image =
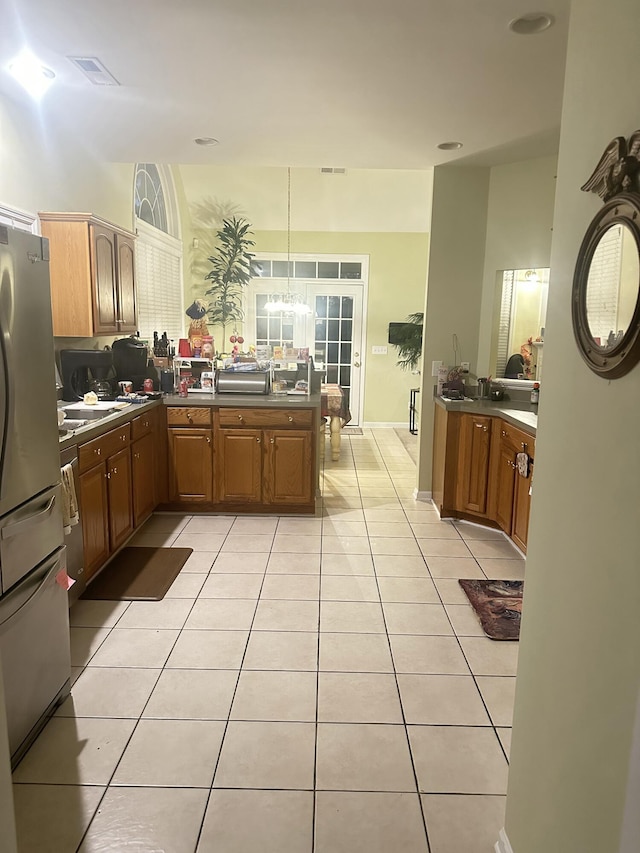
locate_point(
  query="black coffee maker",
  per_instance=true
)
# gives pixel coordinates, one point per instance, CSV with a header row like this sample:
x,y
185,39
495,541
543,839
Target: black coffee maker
x,y
130,361
86,370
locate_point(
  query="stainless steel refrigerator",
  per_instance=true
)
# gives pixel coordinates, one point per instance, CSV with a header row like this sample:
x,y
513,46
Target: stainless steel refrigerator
x,y
34,616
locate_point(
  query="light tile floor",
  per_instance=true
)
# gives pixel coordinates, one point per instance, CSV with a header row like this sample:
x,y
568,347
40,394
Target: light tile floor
x,y
308,685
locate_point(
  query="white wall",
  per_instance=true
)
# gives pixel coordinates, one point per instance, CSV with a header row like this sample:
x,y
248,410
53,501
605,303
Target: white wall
x,y
43,170
519,229
579,668
454,285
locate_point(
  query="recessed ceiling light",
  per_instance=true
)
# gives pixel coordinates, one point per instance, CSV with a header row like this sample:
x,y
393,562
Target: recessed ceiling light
x,y
531,24
450,146
31,74
206,140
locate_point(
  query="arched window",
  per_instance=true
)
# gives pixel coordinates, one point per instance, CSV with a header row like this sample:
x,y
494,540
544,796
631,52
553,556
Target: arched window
x,y
149,200
158,253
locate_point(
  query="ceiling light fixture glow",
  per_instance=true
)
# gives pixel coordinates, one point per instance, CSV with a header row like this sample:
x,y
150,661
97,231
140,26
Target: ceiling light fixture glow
x,y
531,24
450,146
32,75
206,140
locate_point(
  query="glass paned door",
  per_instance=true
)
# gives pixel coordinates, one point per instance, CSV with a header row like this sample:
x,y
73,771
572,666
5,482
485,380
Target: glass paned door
x,y
337,337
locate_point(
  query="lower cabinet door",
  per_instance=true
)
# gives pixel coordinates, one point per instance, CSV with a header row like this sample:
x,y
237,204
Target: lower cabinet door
x,y
190,465
94,515
239,466
120,499
521,508
473,473
505,484
142,470
288,467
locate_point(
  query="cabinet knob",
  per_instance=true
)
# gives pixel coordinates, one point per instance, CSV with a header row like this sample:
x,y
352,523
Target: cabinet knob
x,y
504,433
524,445
485,428
240,418
115,471
258,439
290,419
136,456
98,451
273,441
208,439
190,419
123,438
108,475
146,423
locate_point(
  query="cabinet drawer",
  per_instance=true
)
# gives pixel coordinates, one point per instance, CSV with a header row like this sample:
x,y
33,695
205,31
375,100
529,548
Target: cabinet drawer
x,y
141,425
295,418
516,438
93,452
188,416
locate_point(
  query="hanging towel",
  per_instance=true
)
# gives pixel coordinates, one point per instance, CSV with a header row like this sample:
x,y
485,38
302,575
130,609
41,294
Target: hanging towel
x,y
70,515
522,464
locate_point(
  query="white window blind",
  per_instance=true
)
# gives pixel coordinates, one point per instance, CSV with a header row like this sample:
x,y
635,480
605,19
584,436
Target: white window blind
x,y
504,327
159,284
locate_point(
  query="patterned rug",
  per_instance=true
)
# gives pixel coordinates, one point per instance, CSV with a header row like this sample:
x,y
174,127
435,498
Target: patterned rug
x,y
498,605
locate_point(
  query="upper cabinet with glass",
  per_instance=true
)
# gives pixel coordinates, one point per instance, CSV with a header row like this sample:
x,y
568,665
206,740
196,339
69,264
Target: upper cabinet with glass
x,y
606,283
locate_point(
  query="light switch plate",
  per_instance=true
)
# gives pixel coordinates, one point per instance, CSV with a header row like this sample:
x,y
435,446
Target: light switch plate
x,y
435,367
378,350
465,366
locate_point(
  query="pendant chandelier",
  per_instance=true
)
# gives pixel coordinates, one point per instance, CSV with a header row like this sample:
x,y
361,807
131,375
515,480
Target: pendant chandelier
x,y
287,303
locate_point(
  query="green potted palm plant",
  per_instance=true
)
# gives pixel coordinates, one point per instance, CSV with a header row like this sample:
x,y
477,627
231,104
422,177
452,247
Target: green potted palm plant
x,y
230,273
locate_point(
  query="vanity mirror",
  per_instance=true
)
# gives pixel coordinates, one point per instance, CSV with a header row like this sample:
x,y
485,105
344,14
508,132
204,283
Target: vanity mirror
x,y
606,284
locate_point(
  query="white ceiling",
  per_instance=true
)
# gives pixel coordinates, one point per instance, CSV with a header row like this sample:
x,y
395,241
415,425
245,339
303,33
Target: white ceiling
x,y
344,83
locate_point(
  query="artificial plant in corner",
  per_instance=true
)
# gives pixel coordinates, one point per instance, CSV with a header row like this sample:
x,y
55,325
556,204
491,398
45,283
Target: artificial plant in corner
x,y
410,342
230,273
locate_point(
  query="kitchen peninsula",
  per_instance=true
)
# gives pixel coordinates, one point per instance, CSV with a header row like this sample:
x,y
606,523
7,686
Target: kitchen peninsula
x,y
483,459
234,453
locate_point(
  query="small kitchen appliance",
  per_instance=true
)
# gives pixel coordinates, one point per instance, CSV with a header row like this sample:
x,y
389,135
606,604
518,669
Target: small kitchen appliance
x,y
130,361
86,370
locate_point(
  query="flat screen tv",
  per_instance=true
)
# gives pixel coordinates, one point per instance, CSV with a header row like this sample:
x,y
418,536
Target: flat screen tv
x,y
397,333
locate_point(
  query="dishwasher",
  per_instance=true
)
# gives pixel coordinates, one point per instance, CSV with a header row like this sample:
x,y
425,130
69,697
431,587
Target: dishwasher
x,y
73,540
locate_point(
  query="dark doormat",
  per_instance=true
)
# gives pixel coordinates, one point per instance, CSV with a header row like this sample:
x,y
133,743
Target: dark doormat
x,y
498,605
138,574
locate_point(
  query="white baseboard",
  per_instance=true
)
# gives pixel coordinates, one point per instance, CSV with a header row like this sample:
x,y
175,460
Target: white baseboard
x,y
383,425
422,496
502,844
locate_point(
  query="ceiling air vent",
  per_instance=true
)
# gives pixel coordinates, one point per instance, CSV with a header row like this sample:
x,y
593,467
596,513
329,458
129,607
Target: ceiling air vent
x,y
327,170
92,68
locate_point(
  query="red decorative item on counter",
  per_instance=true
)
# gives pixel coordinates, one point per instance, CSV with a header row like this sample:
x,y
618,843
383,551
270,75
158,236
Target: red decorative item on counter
x,y
148,385
183,388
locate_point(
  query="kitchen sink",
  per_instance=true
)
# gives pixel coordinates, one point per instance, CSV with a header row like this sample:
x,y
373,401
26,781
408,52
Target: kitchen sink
x,y
87,413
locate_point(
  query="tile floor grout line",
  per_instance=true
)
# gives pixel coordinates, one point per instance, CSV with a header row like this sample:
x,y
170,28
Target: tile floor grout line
x,y
404,722
235,690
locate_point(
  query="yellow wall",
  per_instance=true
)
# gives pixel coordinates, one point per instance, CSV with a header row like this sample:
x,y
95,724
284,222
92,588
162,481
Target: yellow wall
x,y
382,214
579,666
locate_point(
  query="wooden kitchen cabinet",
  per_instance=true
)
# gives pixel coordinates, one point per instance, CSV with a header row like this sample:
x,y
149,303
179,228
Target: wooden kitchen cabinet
x,y
475,475
94,514
92,273
190,454
143,478
473,464
239,468
106,500
265,457
120,498
190,465
287,466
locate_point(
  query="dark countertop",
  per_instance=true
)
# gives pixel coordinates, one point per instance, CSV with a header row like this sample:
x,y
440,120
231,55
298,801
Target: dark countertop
x,y
254,401
246,401
520,414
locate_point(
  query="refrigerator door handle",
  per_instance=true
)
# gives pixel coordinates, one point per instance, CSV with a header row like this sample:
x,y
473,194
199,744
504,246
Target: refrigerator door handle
x,y
25,523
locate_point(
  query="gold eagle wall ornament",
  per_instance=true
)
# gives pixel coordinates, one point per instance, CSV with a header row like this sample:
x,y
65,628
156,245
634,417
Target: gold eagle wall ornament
x,y
618,170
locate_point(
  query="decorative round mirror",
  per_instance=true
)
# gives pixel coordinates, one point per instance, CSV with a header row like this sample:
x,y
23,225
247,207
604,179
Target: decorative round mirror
x,y
606,289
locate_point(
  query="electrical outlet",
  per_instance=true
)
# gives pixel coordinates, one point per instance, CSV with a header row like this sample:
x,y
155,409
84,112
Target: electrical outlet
x,y
464,365
435,367
378,350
